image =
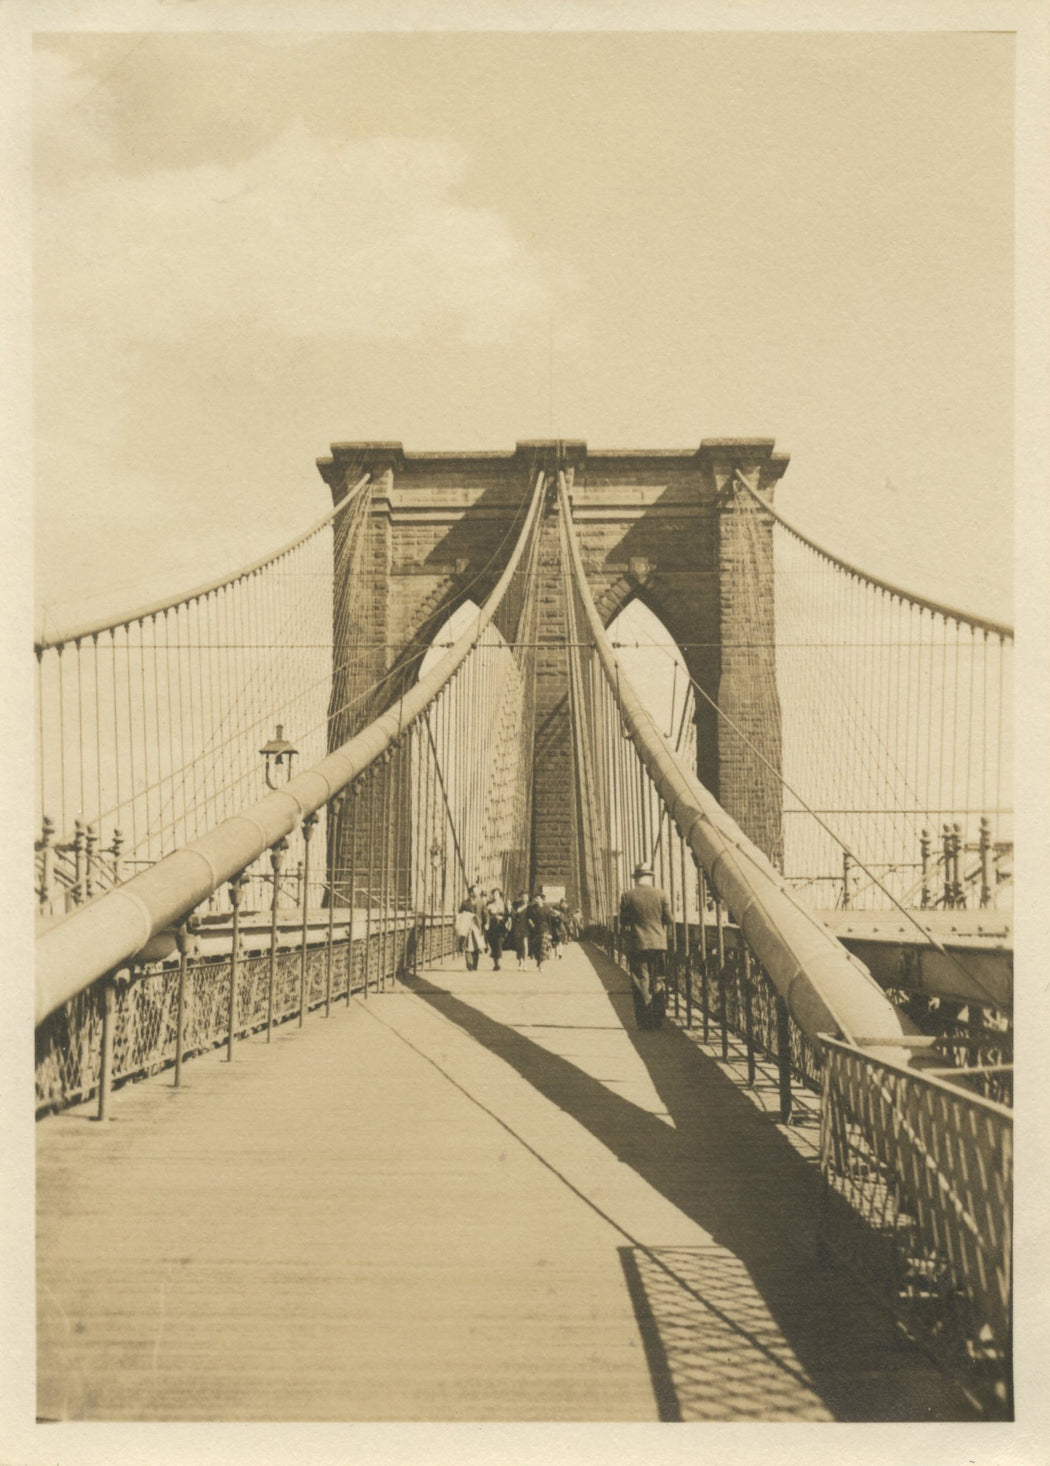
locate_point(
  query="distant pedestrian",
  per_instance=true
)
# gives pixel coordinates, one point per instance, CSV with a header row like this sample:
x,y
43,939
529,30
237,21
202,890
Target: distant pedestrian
x,y
644,918
557,926
469,930
539,930
519,927
572,928
497,924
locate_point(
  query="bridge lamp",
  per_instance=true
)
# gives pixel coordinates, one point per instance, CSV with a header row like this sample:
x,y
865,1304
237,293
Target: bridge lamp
x,y
275,752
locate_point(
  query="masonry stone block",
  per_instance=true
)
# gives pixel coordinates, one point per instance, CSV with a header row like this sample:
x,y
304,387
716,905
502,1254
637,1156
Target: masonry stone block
x,y
661,526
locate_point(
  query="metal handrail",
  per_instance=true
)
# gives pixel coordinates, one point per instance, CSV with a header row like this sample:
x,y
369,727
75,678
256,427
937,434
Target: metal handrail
x,y
157,608
900,1146
106,933
825,988
950,613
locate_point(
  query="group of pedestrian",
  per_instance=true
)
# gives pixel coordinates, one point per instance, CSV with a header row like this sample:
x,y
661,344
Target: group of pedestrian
x,y
482,923
535,928
538,930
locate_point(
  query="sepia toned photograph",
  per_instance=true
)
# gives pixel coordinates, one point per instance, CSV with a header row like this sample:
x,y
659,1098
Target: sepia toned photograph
x,y
523,724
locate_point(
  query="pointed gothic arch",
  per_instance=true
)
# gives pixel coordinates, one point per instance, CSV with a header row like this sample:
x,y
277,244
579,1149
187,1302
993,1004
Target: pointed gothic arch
x,y
657,668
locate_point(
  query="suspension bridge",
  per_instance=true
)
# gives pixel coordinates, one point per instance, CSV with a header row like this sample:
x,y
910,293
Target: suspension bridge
x,y
486,1194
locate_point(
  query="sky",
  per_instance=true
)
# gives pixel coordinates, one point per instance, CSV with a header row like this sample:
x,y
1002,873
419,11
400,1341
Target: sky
x,y
249,246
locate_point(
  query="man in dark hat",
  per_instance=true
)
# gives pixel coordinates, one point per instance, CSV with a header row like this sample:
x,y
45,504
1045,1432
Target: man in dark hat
x,y
644,918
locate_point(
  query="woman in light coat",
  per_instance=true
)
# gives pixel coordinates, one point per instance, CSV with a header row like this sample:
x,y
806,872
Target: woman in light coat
x,y
497,924
469,937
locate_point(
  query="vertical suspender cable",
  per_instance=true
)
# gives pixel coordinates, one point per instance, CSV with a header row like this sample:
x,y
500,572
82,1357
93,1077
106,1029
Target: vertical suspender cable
x,y
41,748
354,792
144,717
370,878
98,737
84,812
157,730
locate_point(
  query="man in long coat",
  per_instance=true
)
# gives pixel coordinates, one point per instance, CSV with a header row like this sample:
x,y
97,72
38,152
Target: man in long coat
x,y
644,918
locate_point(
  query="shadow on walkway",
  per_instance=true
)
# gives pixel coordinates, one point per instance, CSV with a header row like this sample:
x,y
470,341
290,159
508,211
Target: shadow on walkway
x,y
726,1327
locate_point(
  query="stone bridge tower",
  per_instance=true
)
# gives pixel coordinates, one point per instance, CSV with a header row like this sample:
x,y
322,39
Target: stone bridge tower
x,y
660,526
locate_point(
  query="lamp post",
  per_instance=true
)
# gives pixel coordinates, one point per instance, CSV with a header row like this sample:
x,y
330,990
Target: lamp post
x,y
275,752
437,856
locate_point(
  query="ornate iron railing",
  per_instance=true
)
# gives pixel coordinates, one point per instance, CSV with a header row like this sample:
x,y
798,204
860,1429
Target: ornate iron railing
x,y
918,1184
163,1015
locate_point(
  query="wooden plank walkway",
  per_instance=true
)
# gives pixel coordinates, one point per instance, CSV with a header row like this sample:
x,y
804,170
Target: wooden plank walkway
x,y
485,1198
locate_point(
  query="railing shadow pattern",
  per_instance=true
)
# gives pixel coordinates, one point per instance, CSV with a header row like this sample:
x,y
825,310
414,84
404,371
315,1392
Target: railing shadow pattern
x,y
716,1352
767,1304
920,1213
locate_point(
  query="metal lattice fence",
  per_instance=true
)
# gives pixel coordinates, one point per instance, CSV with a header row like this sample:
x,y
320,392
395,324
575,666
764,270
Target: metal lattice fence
x,y
144,1013
918,1178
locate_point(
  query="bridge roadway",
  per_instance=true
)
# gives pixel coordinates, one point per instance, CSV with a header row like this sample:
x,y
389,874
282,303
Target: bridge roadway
x,y
481,1197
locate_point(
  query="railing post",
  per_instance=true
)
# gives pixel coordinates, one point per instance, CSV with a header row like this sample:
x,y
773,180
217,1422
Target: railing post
x,y
701,894
309,825
236,890
367,970
79,839
749,1023
334,818
846,866
182,941
115,850
277,854
705,1000
419,855
686,945
402,872
105,1077
673,945
958,898
946,846
721,940
924,857
47,857
384,872
90,841
420,877
354,791
975,1025
984,847
784,1058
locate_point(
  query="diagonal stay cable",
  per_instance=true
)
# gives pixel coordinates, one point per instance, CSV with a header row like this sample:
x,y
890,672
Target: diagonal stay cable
x,y
928,935
824,985
97,938
444,793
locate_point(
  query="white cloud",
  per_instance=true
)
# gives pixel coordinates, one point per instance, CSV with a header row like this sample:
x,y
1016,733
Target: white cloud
x,y
155,290
309,237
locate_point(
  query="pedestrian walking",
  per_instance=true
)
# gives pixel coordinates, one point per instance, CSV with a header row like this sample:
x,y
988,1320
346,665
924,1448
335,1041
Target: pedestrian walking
x,y
469,930
519,927
539,930
645,916
559,935
497,924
